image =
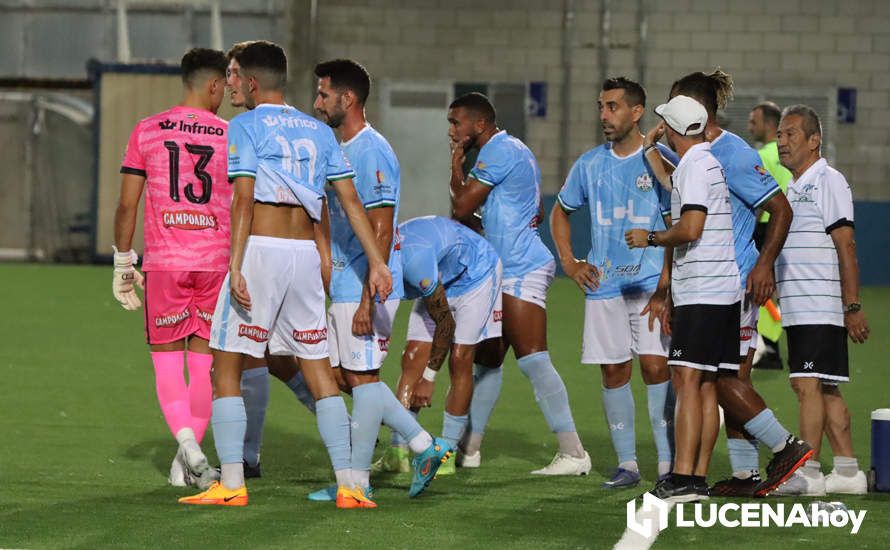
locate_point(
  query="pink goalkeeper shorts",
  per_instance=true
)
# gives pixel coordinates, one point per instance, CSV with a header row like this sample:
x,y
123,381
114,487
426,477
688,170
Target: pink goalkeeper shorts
x,y
179,304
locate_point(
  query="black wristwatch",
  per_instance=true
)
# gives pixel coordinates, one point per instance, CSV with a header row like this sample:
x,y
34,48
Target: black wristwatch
x,y
852,307
650,239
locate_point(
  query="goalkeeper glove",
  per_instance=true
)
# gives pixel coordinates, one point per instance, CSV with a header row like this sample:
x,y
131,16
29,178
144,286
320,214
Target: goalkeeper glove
x,y
125,278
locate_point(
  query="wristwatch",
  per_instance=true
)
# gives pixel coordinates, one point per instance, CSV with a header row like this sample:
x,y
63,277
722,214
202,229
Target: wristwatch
x,y
852,307
650,239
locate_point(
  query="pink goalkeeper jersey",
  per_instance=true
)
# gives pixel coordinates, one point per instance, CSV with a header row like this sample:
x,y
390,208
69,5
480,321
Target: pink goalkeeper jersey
x,y
182,155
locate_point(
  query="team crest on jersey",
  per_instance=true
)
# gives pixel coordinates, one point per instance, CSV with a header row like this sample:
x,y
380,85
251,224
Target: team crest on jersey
x,y
425,284
311,336
167,124
480,165
232,149
380,177
253,332
644,182
760,170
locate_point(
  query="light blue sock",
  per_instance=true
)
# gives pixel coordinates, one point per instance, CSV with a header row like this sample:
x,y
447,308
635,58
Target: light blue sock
x,y
333,425
367,413
229,422
400,420
255,391
619,406
397,439
766,428
453,428
297,384
486,390
661,416
550,392
743,455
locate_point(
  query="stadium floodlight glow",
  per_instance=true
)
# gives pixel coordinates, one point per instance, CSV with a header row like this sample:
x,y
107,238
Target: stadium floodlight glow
x,y
653,515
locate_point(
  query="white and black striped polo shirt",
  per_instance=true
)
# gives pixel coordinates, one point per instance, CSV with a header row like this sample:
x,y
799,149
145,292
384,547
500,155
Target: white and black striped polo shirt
x,y
807,268
705,270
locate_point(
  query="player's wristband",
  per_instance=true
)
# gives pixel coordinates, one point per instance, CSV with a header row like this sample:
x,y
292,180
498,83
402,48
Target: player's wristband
x,y
429,374
649,148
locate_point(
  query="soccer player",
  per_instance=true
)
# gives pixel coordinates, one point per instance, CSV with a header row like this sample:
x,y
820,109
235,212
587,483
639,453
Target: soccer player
x,y
255,377
763,120
279,159
506,182
748,419
359,327
454,276
819,288
178,158
704,288
621,193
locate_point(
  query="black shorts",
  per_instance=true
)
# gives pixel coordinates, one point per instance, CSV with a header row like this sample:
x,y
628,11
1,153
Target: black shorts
x,y
818,351
705,336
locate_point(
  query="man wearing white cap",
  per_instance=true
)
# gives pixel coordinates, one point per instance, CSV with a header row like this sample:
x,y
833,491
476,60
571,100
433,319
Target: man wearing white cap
x,y
705,288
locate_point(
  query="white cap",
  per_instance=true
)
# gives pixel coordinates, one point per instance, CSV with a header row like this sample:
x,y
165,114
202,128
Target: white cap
x,y
684,115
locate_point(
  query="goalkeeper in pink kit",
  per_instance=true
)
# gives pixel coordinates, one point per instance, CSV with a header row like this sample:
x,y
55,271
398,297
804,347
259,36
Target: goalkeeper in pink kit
x,y
178,157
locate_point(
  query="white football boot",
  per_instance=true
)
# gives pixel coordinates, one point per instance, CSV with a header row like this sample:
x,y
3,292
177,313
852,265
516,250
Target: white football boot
x,y
801,485
846,485
566,465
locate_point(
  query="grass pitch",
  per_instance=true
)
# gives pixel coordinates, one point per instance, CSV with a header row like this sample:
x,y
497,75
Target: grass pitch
x,y
85,449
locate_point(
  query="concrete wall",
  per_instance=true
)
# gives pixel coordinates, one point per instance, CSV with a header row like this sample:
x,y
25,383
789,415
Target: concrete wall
x,y
806,45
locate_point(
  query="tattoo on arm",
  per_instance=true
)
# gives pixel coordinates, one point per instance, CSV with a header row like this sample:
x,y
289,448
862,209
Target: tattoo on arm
x,y
440,312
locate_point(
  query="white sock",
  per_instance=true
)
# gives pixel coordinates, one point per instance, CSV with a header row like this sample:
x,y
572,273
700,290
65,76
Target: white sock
x,y
846,466
344,478
232,475
420,442
570,444
664,468
191,450
362,478
812,469
630,465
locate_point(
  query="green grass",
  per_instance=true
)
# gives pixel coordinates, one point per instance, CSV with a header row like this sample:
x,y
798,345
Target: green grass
x,y
85,449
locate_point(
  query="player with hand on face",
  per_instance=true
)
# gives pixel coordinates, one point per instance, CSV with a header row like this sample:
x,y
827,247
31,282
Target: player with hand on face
x,y
279,160
178,158
506,181
621,192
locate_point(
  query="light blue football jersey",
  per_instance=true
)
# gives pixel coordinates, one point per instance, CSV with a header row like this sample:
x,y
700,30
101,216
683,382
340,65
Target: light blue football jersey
x,y
377,181
289,153
437,250
750,186
621,193
509,215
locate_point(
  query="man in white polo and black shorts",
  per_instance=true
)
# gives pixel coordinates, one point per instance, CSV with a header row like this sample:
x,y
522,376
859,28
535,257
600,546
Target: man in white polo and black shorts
x,y
705,290
818,280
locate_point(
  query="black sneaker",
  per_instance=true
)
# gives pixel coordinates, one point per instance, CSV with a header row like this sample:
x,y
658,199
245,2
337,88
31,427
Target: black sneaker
x,y
736,487
674,489
252,471
784,463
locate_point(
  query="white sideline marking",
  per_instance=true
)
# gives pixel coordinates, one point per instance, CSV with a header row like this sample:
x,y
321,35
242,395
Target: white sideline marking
x,y
632,540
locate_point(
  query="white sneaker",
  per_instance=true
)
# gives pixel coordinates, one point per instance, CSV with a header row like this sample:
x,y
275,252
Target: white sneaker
x,y
198,468
469,461
801,485
178,472
566,465
847,485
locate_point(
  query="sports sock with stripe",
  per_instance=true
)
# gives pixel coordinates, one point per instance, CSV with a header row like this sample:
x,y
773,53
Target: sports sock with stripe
x,y
743,456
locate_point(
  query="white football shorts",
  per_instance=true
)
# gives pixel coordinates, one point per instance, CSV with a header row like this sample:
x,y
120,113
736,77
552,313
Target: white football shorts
x,y
287,311
360,353
614,331
532,287
477,314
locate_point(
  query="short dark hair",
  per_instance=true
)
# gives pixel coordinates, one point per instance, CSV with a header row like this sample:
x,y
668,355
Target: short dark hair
x,y
236,49
770,111
711,90
201,60
265,57
476,103
346,74
634,94
811,123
